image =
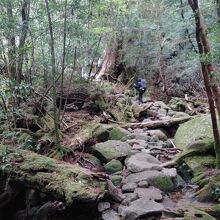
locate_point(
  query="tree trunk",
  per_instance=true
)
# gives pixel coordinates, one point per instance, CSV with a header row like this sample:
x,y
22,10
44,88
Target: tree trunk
x,y
218,9
25,19
63,181
207,71
53,62
157,123
112,65
11,47
63,57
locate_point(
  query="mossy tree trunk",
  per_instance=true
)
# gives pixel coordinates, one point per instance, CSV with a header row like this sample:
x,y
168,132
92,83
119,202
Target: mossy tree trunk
x,y
210,81
53,62
63,181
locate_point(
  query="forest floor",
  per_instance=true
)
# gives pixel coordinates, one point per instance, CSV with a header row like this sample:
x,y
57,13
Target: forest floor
x,y
133,160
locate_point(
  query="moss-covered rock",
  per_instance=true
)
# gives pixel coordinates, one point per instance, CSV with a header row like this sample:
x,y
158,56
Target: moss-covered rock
x,y
94,160
193,130
63,181
90,131
112,149
177,104
118,134
116,180
180,115
113,166
101,133
196,214
211,188
199,164
213,210
162,182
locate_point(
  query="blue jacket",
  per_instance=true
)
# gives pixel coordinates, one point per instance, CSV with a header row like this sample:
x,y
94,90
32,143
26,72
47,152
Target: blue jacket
x,y
140,85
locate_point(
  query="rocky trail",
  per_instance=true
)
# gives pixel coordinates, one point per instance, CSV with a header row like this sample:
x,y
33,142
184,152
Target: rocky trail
x,y
114,171
143,183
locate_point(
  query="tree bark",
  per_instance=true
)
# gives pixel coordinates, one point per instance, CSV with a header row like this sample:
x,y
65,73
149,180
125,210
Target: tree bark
x,y
53,63
12,47
218,9
25,11
158,123
207,71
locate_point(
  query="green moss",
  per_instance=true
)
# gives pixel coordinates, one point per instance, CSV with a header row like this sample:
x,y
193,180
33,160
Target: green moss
x,y
192,130
199,164
113,166
116,180
163,183
38,163
196,214
118,133
209,192
177,104
107,154
94,160
62,180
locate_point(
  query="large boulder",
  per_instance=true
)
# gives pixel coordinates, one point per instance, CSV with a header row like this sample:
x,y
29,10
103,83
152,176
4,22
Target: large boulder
x,y
197,128
150,193
118,134
110,150
155,178
142,161
141,209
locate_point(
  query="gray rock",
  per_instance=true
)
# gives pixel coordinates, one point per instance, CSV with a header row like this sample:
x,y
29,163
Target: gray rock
x,y
154,178
143,184
160,134
171,172
129,187
146,120
140,136
171,113
154,138
141,208
152,113
180,115
135,141
162,112
154,108
138,130
134,152
110,214
138,147
161,104
149,193
112,149
130,197
142,161
102,206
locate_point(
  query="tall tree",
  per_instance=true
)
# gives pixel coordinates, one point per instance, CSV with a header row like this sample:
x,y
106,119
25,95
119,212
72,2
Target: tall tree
x,y
208,72
53,63
25,11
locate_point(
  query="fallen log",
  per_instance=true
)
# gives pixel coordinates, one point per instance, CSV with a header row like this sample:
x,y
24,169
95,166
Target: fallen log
x,y
157,123
63,181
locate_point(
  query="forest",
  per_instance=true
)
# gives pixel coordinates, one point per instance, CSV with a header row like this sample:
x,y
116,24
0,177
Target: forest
x,y
109,109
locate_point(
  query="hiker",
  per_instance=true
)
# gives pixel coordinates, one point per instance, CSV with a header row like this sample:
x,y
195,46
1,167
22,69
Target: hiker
x,y
141,87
